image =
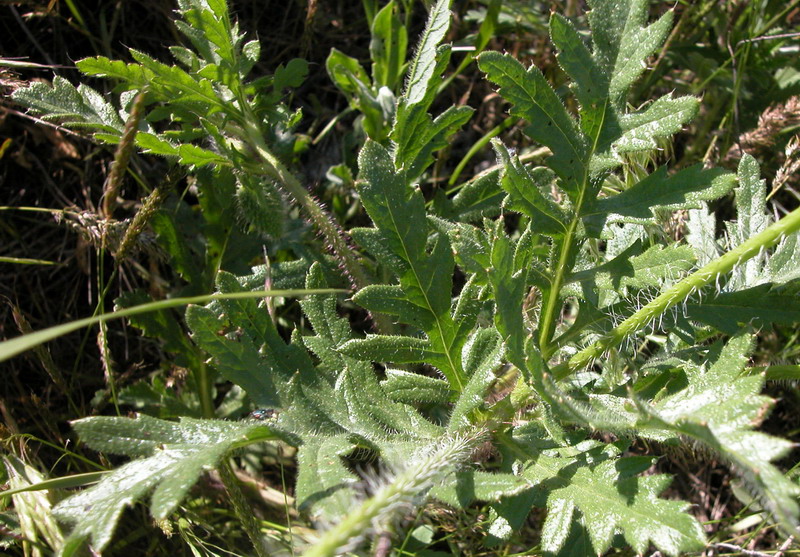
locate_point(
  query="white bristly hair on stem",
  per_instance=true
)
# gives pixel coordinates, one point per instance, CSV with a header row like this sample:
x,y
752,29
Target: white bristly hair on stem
x,y
402,491
677,293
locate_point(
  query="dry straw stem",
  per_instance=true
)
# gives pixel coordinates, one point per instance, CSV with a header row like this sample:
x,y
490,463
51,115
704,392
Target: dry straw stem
x,y
42,352
788,172
122,155
761,140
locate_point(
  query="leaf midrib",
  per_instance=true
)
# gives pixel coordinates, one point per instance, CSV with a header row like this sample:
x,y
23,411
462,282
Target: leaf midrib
x,y
447,345
548,310
557,124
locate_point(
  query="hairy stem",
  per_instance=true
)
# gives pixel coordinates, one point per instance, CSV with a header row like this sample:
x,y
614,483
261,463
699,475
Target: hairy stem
x,y
122,156
682,290
318,215
330,230
242,509
408,487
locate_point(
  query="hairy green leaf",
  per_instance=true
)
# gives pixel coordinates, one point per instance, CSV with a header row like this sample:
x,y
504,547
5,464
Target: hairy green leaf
x,y
719,408
175,455
480,197
423,65
398,212
653,268
663,118
751,218
411,388
757,306
482,354
610,499
509,286
131,76
622,42
395,348
324,485
550,124
73,106
591,83
246,347
476,485
685,189
701,230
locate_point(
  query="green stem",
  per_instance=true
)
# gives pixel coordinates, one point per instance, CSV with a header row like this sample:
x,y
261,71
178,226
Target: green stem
x,y
552,303
479,145
243,511
408,486
204,388
319,216
682,290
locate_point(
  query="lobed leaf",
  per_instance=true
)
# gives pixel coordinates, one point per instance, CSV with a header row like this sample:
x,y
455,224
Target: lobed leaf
x,y
525,187
590,83
176,454
79,107
509,287
622,42
172,84
480,198
610,499
701,231
751,218
398,212
550,124
665,117
719,408
132,76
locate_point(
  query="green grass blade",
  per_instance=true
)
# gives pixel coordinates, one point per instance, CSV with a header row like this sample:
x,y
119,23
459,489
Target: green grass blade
x,y
76,480
14,346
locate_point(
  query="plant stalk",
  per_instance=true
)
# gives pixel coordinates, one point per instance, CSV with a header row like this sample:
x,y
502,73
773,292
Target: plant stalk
x,y
242,509
682,290
405,489
552,303
331,232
